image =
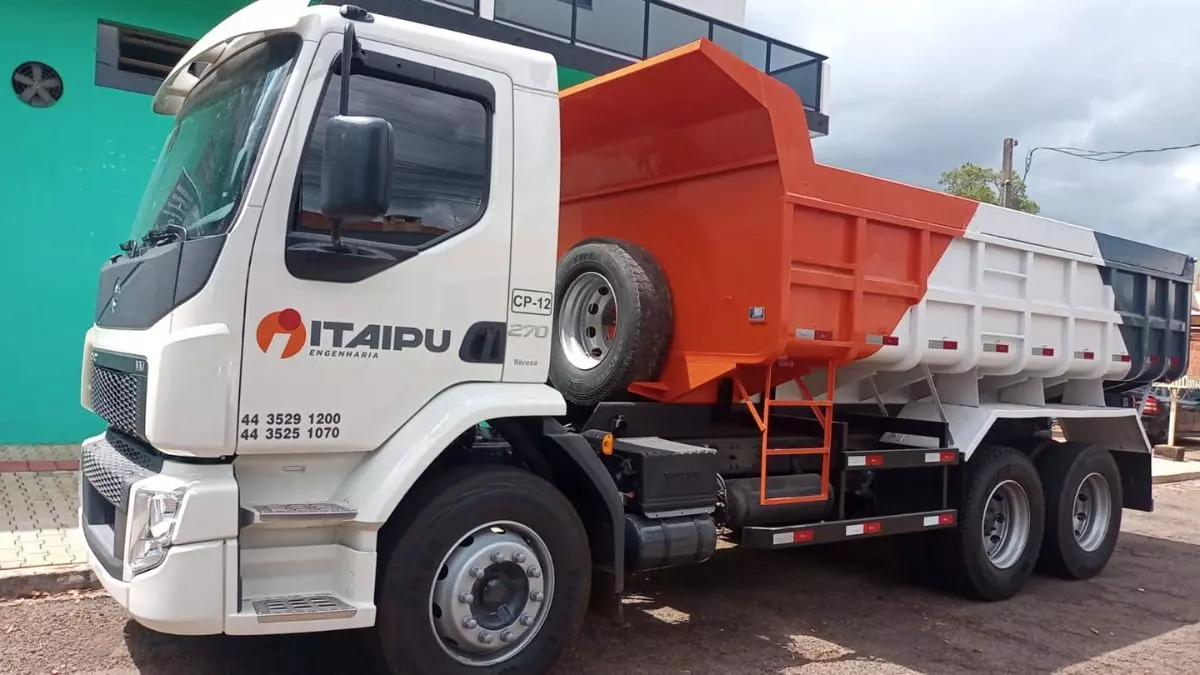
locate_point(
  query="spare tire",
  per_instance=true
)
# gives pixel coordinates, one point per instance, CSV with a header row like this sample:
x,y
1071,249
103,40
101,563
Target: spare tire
x,y
595,356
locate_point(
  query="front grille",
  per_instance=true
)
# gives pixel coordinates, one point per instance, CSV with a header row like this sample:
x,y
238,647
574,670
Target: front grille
x,y
112,464
118,398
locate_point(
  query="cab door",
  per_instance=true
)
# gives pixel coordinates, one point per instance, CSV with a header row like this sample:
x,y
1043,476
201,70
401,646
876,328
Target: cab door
x,y
340,350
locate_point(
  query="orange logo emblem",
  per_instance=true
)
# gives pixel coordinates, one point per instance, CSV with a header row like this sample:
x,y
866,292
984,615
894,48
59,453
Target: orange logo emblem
x,y
284,322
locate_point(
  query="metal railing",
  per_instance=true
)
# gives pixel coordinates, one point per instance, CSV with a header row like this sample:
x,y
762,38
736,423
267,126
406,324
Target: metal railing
x,y
469,5
639,29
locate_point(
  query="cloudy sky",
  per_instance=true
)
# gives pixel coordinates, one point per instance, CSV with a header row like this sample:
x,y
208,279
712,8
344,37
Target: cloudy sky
x,y
921,86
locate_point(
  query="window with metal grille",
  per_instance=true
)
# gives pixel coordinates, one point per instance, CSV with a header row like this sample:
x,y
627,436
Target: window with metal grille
x,y
135,59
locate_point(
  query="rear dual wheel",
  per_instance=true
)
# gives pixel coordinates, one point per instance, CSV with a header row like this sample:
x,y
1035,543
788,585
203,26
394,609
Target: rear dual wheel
x,y
1083,509
1061,517
993,551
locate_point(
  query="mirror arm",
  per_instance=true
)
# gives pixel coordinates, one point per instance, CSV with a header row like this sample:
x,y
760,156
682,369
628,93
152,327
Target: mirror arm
x,y
350,49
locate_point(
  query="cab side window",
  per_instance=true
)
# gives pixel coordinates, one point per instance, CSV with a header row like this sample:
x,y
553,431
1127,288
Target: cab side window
x,y
440,161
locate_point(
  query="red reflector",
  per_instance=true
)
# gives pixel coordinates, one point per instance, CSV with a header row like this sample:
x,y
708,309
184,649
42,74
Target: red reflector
x,y
1151,406
874,460
949,344
1089,356
1047,351
946,519
872,528
1173,362
823,335
891,340
1001,349
1125,358
801,536
1153,359
949,456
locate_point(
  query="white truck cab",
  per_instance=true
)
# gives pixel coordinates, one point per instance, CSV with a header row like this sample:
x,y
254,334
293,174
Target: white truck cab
x,y
277,392
323,356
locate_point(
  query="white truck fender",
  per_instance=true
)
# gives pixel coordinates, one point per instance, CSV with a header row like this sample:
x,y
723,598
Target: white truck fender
x,y
1110,428
378,484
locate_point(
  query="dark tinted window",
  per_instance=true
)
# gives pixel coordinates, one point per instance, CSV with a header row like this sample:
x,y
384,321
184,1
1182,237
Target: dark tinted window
x,y
439,166
549,17
670,29
612,24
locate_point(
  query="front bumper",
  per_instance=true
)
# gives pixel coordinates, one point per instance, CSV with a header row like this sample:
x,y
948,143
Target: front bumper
x,y
183,596
191,587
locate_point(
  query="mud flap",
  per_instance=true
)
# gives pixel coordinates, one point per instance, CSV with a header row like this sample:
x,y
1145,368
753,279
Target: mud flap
x,y
579,472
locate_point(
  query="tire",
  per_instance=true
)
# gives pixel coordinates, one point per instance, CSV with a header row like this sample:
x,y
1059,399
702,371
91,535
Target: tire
x,y
1063,472
430,528
962,558
637,346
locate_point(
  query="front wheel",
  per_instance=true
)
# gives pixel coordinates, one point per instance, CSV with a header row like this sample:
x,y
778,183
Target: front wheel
x,y
490,573
1083,509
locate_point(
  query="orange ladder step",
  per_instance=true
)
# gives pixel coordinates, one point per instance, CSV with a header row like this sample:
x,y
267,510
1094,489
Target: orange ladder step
x,y
822,409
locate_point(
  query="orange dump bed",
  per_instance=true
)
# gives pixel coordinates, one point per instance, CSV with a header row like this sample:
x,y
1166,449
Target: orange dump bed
x,y
771,257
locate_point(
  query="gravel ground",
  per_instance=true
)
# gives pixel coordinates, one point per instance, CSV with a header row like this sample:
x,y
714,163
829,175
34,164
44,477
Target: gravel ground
x,y
842,610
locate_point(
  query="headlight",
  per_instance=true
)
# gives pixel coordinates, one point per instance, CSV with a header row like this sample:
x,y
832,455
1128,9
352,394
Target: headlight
x,y
152,527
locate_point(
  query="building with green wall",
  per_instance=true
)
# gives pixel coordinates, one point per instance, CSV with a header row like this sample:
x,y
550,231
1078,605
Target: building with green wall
x,y
76,159
73,174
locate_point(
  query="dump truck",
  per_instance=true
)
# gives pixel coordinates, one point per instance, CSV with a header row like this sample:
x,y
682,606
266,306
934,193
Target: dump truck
x,y
406,340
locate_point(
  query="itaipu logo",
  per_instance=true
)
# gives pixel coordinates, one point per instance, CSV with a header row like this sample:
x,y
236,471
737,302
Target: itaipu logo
x,y
284,322
342,339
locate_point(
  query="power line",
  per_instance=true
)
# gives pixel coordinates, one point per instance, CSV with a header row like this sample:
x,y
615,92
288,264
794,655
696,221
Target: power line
x,y
1098,155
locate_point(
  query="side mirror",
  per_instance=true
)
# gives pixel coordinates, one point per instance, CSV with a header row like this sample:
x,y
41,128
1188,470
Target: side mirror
x,y
356,170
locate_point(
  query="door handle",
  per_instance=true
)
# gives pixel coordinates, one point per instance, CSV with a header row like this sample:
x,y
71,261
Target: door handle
x,y
484,342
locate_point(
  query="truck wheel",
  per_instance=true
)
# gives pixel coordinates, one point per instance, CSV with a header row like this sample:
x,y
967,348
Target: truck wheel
x,y
1083,510
993,551
490,573
613,321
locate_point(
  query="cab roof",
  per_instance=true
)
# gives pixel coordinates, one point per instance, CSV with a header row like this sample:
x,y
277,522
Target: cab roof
x,y
525,67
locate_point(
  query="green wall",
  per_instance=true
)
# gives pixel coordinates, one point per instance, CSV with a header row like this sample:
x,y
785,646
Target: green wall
x,y
568,77
72,175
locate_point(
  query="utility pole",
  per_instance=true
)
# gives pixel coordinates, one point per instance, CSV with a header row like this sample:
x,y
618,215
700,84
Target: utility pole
x,y
1006,182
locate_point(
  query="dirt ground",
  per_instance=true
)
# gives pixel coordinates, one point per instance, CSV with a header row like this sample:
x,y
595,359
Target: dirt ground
x,y
840,610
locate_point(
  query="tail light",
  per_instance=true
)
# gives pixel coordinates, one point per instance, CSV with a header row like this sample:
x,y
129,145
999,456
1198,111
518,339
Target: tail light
x,y
1151,407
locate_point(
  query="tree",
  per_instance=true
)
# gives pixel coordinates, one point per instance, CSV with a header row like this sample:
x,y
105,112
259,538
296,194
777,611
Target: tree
x,y
984,185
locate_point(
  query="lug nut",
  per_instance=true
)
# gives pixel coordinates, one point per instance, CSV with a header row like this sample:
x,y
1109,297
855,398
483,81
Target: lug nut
x,y
470,623
476,572
485,637
519,557
527,621
497,557
537,596
506,636
466,598
533,571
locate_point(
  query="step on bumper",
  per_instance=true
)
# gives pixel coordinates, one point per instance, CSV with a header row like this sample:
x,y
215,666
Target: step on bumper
x,y
301,608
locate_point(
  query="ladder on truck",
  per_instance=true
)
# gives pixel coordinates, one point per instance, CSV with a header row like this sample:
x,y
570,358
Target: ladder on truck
x,y
822,409
839,528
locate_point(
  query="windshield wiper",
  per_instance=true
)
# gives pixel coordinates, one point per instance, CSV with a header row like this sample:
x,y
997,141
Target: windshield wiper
x,y
166,234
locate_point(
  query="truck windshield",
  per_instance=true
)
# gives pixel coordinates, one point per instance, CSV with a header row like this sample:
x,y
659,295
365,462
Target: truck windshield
x,y
207,159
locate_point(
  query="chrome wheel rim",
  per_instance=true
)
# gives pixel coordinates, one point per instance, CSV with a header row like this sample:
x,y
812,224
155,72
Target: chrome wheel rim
x,y
492,594
1092,514
1006,520
588,321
